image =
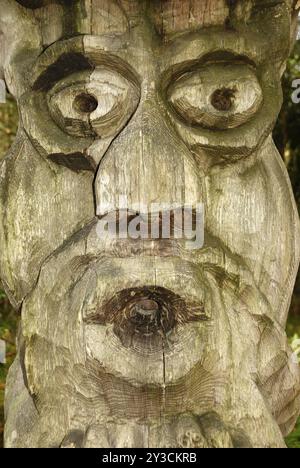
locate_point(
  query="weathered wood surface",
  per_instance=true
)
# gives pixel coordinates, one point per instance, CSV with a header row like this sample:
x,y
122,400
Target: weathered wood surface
x,y
166,101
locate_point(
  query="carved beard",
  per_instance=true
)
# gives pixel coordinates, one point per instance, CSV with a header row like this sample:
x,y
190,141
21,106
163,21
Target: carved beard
x,y
83,363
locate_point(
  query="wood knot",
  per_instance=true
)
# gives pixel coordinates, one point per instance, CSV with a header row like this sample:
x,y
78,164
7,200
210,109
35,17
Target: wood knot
x,y
145,316
142,318
222,99
85,103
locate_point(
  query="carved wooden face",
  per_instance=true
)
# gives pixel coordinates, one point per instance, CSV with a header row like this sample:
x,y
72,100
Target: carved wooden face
x,y
170,102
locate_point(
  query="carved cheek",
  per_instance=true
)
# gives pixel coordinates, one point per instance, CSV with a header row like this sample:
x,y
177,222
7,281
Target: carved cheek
x,y
240,217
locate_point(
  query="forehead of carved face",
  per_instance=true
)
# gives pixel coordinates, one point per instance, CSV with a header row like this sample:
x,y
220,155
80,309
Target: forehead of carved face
x,y
53,20
167,15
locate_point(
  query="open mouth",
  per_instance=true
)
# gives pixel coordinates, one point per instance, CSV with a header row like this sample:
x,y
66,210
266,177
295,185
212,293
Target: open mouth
x,y
144,317
152,305
147,312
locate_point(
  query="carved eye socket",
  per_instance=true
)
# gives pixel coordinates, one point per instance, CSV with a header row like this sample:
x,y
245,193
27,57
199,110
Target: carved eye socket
x,y
220,96
97,104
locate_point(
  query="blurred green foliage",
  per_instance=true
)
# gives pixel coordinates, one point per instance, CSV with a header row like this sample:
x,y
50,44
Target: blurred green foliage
x,y
8,327
8,125
8,318
287,138
293,440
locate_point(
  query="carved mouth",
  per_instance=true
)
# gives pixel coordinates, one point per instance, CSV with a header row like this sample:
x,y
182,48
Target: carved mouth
x,y
145,311
143,318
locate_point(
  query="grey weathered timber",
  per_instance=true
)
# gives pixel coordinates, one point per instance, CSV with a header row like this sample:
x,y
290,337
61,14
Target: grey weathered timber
x,y
133,342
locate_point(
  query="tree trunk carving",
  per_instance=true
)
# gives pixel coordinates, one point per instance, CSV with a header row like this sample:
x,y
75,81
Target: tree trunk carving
x,y
133,342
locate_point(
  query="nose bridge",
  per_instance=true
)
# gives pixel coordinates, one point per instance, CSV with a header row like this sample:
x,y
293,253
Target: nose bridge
x,y
146,164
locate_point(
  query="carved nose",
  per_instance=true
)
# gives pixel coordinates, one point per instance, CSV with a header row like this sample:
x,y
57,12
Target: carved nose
x,y
147,164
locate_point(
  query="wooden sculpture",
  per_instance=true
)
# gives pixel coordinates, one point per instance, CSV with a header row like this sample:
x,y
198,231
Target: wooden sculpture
x,y
144,342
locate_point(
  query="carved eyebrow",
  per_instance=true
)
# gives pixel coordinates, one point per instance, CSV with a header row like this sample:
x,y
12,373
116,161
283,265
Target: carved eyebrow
x,y
175,71
33,4
66,64
65,58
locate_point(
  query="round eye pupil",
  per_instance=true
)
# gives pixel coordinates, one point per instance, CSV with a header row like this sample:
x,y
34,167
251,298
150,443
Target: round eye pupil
x,y
222,99
85,103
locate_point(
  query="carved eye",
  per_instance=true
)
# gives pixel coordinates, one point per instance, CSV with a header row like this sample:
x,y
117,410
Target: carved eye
x,y
220,96
98,104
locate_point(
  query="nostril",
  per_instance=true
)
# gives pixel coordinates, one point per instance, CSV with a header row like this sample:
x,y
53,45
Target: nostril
x,y
222,99
85,103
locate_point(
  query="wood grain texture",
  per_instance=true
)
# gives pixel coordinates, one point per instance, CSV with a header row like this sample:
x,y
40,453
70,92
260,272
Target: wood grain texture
x,y
133,342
